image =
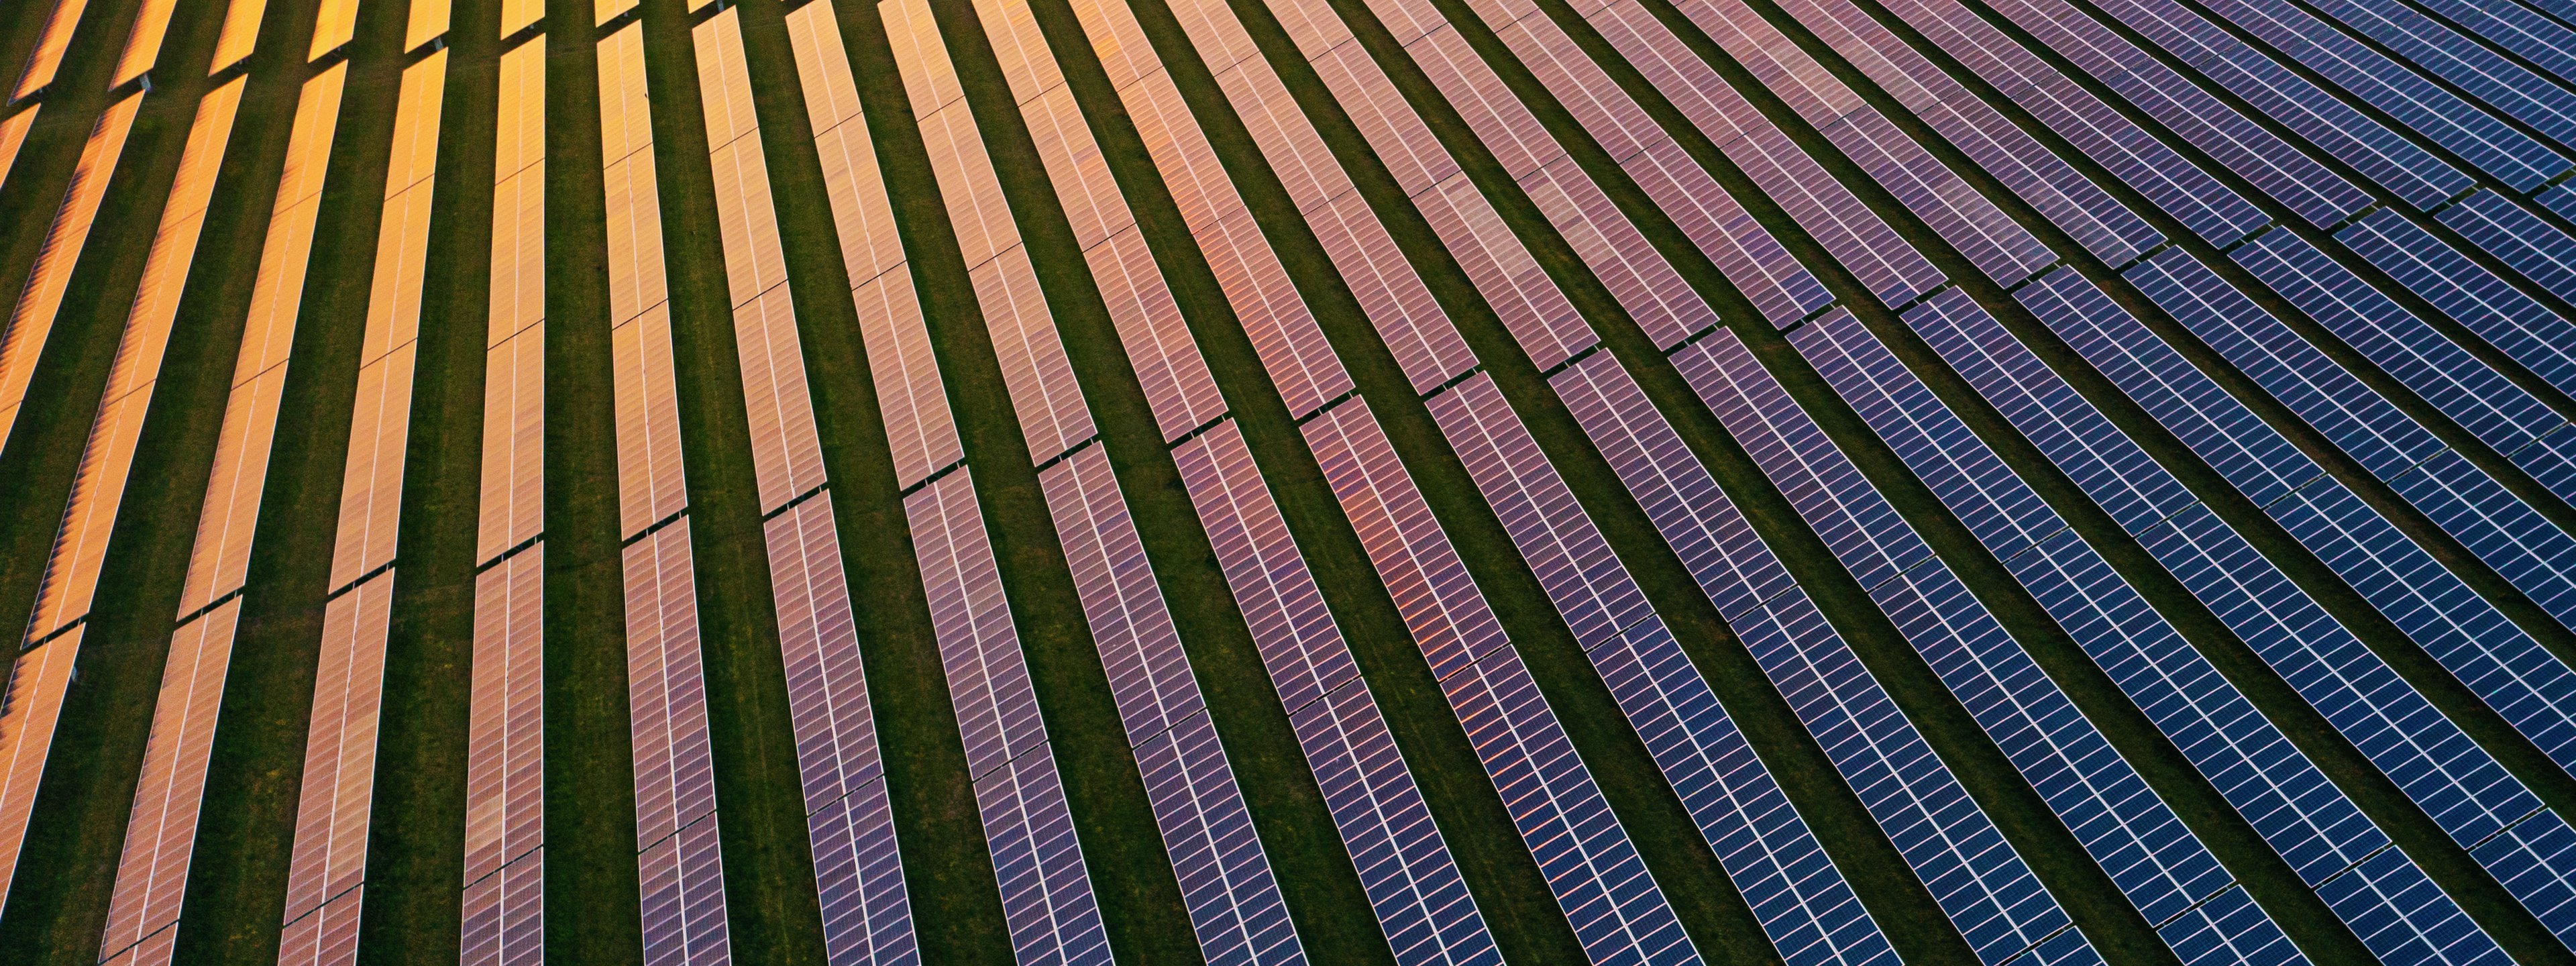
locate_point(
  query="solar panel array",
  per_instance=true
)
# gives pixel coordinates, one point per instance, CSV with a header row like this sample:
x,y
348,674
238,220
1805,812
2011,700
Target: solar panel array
x,y
2051,481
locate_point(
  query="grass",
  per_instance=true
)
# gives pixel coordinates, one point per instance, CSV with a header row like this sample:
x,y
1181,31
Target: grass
x,y
79,823
593,898
416,847
237,878
1131,874
774,914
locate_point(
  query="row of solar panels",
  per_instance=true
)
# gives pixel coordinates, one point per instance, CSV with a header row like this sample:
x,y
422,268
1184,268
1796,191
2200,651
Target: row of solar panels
x,y
2361,487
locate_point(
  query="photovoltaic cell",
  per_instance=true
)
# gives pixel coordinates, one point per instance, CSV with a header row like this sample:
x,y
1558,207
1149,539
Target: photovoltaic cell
x,y
2156,861
1412,883
1225,877
328,861
33,318
858,871
2459,785
504,877
1046,894
328,864
160,833
1599,879
1808,910
240,32
40,674
1989,893
13,135
2447,115
678,855
1177,385
2392,906
220,556
48,55
1032,358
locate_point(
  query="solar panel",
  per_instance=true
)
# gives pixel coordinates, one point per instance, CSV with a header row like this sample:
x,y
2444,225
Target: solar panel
x,y
504,897
2318,367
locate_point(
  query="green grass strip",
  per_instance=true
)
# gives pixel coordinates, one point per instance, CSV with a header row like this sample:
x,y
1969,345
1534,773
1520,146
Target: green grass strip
x,y
594,908
948,866
416,836
2278,889
773,912
77,833
1131,874
1308,860
246,823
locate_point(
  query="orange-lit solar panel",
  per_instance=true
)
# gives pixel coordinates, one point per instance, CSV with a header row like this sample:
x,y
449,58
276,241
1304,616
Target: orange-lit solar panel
x,y
220,558
29,708
33,318
1051,411
161,831
13,135
787,456
143,42
516,15
371,496
678,854
514,381
1256,286
328,863
48,55
858,869
909,395
333,25
504,901
428,19
71,576
240,33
